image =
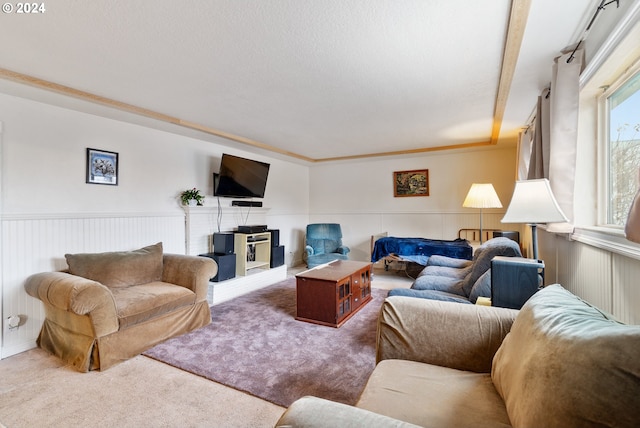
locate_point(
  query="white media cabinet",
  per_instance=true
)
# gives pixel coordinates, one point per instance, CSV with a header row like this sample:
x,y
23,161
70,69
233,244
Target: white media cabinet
x,y
253,250
199,226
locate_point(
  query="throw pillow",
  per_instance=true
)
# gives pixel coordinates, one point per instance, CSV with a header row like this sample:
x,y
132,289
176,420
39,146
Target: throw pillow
x,y
121,268
482,287
566,363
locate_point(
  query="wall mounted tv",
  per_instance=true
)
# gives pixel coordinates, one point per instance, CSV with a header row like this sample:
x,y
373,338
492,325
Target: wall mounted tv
x,y
240,178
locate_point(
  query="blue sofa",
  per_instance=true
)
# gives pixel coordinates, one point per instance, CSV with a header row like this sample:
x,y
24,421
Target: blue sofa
x,y
456,280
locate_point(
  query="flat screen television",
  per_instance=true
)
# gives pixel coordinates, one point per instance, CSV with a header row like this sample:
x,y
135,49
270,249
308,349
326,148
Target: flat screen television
x,y
240,178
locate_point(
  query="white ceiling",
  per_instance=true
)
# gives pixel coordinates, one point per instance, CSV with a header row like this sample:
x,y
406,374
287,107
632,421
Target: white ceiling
x,y
314,79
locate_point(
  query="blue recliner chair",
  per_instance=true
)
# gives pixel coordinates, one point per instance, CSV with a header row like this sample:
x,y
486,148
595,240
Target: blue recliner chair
x,y
324,244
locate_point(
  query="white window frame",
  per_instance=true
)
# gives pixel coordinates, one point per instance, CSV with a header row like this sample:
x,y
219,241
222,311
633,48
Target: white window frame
x,y
604,132
598,235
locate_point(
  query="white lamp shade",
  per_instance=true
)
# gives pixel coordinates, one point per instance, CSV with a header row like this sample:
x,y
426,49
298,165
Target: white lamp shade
x,y
482,195
533,202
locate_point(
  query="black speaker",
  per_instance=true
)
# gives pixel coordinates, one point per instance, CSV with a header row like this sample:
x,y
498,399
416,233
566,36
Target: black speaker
x,y
277,256
514,236
514,280
275,237
246,203
226,266
223,243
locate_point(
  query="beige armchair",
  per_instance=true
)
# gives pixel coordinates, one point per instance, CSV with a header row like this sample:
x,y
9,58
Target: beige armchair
x,y
110,307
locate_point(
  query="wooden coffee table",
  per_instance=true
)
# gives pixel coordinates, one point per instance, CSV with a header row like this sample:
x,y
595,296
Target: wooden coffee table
x,y
330,294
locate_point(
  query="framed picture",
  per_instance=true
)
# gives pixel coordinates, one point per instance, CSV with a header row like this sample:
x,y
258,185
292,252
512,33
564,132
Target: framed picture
x,y
102,167
411,183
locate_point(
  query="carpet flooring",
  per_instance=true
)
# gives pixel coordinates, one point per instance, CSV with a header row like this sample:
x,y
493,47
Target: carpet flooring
x,y
254,344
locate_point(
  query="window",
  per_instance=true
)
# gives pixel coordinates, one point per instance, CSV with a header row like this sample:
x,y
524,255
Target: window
x,y
622,108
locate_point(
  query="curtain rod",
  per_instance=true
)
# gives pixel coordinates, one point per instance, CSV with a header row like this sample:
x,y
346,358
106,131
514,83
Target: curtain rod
x,y
593,19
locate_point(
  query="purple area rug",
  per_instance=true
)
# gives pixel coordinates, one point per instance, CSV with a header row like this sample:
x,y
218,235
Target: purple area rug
x,y
255,344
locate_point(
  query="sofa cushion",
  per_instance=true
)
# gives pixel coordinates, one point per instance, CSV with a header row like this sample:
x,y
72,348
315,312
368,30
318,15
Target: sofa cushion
x,y
482,287
447,271
566,363
429,294
435,396
145,301
120,268
330,245
439,260
441,283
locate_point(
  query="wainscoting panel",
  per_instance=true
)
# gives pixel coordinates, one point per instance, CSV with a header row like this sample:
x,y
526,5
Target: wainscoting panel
x,y
582,269
626,292
601,277
203,222
39,243
588,274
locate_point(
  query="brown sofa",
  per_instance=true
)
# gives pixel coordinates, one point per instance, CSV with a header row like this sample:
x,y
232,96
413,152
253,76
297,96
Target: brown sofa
x,y
558,362
109,307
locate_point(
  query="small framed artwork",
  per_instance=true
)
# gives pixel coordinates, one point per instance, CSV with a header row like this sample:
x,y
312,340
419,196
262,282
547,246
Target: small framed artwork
x,y
102,167
411,183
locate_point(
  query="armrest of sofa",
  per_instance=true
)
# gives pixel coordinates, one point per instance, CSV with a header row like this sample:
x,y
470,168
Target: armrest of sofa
x,y
313,412
442,333
343,249
78,295
192,272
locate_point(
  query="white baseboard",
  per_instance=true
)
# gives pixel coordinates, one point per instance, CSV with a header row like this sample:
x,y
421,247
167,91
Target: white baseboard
x,y
256,279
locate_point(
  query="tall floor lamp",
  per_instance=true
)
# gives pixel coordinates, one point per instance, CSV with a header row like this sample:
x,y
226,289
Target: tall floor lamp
x,y
533,202
482,195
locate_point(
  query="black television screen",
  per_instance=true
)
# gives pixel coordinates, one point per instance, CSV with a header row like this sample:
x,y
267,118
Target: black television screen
x,y
240,178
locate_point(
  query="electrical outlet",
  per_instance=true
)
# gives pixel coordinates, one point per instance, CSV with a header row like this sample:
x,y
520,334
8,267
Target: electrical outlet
x,y
13,321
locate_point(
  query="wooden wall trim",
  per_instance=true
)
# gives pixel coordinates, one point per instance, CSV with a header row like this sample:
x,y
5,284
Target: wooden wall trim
x,y
515,33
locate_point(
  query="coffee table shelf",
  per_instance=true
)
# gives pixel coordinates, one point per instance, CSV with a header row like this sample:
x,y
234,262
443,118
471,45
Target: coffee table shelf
x,y
331,294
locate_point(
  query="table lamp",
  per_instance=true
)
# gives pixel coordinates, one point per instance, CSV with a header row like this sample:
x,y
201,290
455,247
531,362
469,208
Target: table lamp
x,y
533,202
482,195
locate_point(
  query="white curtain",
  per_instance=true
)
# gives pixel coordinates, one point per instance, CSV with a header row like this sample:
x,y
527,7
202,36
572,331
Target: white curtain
x,y
554,150
525,139
565,94
632,226
535,163
539,165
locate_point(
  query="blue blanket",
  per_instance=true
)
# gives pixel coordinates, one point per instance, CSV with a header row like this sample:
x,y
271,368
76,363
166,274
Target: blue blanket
x,y
419,249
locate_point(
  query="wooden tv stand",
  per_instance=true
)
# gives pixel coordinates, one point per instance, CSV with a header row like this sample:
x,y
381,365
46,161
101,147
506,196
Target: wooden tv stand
x,y
330,294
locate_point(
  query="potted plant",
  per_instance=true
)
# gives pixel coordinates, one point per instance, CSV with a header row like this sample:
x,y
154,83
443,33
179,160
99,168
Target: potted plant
x,y
191,197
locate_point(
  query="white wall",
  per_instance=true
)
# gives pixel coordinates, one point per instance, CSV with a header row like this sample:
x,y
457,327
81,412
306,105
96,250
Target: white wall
x,y
49,210
367,185
359,195
44,164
